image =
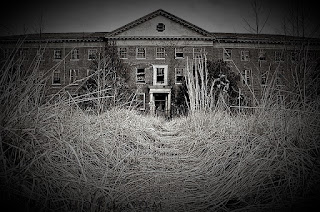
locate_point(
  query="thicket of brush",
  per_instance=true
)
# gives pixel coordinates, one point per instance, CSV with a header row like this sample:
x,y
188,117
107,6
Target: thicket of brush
x,y
56,157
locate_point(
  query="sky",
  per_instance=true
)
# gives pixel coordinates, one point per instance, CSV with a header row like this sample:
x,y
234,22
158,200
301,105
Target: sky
x,y
230,16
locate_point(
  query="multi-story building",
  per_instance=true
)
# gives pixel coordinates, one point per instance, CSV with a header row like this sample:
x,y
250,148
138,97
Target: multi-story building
x,y
157,47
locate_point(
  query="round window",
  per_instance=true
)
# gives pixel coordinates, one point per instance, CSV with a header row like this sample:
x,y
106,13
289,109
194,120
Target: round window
x,y
161,27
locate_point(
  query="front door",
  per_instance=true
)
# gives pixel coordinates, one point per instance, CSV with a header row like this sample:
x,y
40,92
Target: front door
x,y
160,103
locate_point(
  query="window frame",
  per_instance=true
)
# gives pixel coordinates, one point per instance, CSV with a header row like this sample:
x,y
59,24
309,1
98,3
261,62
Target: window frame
x,y
75,52
120,52
245,55
262,52
227,54
263,78
144,52
54,75
55,55
247,77
71,76
194,53
40,54
143,101
278,56
180,75
90,54
179,52
159,52
165,74
141,74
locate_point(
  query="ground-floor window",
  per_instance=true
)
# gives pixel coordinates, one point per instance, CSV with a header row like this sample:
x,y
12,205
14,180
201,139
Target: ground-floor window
x,y
140,98
73,77
56,77
179,75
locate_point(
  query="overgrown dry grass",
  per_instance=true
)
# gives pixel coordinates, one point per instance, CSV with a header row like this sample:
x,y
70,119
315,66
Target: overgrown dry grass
x,y
56,157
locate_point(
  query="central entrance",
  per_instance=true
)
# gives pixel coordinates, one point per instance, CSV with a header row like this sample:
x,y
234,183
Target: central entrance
x,y
160,100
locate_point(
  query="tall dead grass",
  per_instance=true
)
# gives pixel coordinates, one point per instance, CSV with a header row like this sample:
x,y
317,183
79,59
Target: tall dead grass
x,y
57,157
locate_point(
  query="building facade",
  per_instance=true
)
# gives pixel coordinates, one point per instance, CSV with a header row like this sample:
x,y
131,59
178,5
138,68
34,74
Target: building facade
x,y
157,48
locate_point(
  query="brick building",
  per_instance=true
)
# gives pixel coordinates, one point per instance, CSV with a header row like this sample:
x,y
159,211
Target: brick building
x,y
157,46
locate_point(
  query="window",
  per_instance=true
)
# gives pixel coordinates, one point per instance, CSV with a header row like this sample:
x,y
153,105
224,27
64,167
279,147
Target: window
x,y
246,76
75,54
57,54
197,53
92,54
141,53
311,56
74,73
23,53
160,73
179,75
278,56
280,99
279,77
178,53
140,98
40,54
294,56
161,27
160,53
264,79
5,53
56,78
245,55
141,76
227,54
123,53
262,55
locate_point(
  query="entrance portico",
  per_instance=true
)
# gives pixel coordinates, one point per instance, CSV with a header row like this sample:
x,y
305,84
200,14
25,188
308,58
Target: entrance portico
x,y
160,100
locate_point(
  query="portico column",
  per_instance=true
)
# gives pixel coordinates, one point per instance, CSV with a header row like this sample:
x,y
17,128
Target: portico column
x,y
169,104
151,104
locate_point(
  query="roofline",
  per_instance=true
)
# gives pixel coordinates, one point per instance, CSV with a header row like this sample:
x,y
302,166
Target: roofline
x,y
156,13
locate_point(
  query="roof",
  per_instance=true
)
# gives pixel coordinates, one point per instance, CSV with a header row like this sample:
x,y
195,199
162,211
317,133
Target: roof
x,y
162,13
99,36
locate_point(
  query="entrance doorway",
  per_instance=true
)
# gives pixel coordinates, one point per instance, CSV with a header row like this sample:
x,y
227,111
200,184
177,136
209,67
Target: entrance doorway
x,y
160,103
160,100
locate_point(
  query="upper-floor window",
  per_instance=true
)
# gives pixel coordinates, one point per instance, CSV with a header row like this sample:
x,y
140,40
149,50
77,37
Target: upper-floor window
x,y
294,56
92,54
227,54
123,52
23,54
57,54
56,77
179,75
75,54
141,75
278,56
39,54
245,55
178,52
280,77
141,53
246,76
264,79
73,77
160,73
160,53
262,55
197,52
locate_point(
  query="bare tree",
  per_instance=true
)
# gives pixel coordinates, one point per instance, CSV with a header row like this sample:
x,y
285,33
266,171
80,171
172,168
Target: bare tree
x,y
259,18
